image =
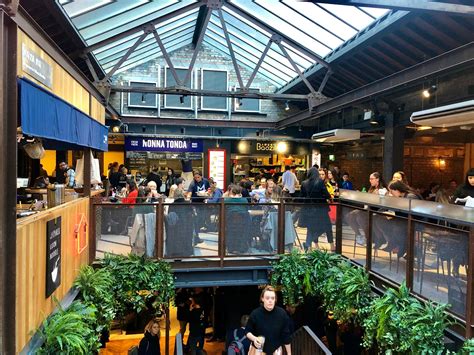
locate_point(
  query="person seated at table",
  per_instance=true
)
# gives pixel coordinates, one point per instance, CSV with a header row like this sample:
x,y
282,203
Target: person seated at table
x,y
394,230
153,195
273,195
237,221
465,190
179,227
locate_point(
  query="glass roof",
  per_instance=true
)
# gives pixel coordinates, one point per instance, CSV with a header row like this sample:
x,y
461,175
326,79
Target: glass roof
x,y
318,29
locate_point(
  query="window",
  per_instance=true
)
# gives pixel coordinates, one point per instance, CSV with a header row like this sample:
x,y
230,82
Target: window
x,y
247,105
142,100
177,101
216,80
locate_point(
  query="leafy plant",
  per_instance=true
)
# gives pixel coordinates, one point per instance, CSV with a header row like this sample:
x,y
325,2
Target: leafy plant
x,y
289,272
95,287
347,292
138,280
319,264
468,347
399,323
69,332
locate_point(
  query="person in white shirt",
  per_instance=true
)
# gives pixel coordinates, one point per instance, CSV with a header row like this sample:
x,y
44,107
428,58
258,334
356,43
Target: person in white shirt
x,y
289,181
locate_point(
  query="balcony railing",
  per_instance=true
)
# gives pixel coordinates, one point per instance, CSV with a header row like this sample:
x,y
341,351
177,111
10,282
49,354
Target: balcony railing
x,y
427,245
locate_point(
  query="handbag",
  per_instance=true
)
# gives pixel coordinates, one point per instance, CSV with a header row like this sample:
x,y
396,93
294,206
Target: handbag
x,y
254,351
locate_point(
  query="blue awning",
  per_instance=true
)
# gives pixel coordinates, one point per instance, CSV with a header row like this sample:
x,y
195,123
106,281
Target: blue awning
x,y
45,115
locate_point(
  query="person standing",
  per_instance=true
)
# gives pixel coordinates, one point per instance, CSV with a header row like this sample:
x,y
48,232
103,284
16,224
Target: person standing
x,y
150,344
198,189
268,327
197,326
289,181
170,180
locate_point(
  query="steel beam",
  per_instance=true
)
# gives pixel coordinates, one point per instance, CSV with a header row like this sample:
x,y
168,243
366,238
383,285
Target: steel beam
x,y
456,59
196,123
408,5
197,47
91,67
181,90
167,57
289,41
295,67
140,28
127,54
8,170
199,28
231,50
260,61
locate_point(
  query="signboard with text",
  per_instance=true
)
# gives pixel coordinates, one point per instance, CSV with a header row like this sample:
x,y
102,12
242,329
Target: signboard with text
x,y
37,67
217,166
53,255
146,144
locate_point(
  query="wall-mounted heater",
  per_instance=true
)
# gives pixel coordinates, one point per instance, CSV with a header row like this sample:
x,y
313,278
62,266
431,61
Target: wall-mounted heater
x,y
459,114
336,135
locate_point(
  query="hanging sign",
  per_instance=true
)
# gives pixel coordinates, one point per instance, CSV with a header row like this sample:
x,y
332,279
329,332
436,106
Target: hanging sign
x,y
34,65
53,255
163,145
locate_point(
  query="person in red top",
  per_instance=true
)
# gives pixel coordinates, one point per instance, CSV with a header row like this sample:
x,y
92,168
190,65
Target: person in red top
x,y
132,192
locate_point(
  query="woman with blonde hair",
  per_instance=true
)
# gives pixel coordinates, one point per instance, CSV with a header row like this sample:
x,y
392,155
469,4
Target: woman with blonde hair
x,y
150,344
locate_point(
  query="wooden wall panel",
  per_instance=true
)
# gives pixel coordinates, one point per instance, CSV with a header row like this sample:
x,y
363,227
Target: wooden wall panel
x,y
97,110
31,305
64,85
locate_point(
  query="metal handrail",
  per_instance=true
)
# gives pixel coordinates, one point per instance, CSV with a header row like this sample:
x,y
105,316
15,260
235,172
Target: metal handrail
x,y
304,341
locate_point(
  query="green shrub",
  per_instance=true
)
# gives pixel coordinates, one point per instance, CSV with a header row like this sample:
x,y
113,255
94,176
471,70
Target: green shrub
x,y
69,331
138,279
289,275
95,287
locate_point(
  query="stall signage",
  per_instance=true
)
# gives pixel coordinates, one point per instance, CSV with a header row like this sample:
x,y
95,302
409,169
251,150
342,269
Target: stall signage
x,y
163,145
37,67
217,166
53,255
265,147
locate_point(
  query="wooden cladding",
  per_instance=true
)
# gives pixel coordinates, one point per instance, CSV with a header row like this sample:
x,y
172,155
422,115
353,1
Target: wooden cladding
x,y
31,305
63,84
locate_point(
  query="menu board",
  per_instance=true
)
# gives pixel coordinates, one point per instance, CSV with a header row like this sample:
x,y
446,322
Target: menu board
x,y
136,160
53,255
217,166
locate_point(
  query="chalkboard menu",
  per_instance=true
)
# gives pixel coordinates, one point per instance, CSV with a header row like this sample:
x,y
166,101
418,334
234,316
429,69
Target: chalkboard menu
x,y
53,255
136,160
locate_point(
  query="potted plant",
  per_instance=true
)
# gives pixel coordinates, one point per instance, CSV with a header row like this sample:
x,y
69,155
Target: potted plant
x,y
289,275
139,283
69,331
95,289
398,323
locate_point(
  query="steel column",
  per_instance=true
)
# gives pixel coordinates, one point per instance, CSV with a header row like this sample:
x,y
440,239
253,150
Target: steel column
x,y
160,240
410,251
221,234
339,229
8,172
470,287
368,240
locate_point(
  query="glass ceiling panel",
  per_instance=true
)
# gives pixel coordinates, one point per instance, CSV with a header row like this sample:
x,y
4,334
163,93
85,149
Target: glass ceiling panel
x,y
178,20
244,62
76,8
124,22
252,54
319,28
120,50
254,58
241,37
350,14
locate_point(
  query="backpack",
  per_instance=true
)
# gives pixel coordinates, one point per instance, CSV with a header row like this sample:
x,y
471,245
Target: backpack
x,y
236,347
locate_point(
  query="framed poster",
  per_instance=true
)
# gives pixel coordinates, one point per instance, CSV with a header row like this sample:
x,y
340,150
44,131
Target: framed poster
x,y
53,255
216,158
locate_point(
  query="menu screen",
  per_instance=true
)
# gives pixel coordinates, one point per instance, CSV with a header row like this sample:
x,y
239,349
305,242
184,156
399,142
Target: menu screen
x,y
217,166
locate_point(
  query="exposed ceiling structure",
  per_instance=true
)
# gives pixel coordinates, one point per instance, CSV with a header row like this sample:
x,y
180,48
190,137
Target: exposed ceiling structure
x,y
292,44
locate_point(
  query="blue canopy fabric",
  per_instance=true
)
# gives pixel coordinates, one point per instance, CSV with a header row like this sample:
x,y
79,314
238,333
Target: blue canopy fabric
x,y
45,115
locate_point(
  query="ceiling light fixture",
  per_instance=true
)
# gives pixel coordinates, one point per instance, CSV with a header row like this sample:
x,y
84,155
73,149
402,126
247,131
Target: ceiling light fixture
x,y
430,91
287,106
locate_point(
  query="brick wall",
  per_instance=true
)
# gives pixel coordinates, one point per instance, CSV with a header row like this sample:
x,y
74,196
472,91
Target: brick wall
x,y
207,58
421,162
